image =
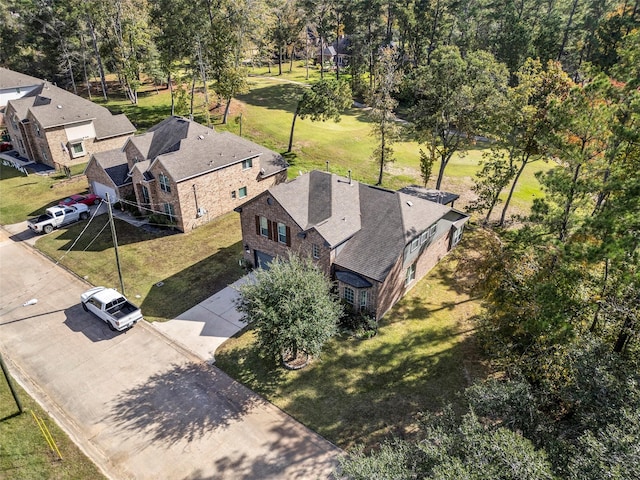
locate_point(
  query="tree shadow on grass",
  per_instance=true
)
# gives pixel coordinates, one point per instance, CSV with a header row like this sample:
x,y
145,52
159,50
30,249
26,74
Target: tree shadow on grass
x,y
97,236
184,402
392,385
283,96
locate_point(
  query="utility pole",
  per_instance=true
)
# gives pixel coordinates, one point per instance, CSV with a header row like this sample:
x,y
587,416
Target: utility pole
x,y
13,391
115,243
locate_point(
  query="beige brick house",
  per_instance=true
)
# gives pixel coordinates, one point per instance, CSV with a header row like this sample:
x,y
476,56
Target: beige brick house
x,y
186,172
57,128
375,243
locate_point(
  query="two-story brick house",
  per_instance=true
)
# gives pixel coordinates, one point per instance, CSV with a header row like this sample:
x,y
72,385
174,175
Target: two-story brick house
x,y
185,171
57,128
375,243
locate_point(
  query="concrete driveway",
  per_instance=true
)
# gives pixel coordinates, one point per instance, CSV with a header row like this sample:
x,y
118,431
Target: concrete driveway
x,y
140,405
203,328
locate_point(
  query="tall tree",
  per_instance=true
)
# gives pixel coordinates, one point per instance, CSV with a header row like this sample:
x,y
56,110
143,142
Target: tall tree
x,y
324,100
291,307
456,100
529,104
383,104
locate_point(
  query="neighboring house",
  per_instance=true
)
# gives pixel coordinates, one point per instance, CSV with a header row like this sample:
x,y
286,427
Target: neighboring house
x,y
57,128
14,85
375,243
185,171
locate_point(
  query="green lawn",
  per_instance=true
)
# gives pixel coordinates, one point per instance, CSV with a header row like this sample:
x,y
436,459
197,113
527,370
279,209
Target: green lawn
x,y
191,266
24,452
22,197
361,391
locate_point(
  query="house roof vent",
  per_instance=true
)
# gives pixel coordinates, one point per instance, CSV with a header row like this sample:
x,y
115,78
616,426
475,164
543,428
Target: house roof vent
x,y
410,203
201,137
59,106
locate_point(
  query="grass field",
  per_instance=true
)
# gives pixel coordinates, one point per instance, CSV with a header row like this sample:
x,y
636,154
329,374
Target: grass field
x,y
22,197
191,266
24,452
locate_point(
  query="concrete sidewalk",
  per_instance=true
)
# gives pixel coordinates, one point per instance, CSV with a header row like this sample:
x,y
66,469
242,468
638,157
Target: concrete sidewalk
x,y
203,328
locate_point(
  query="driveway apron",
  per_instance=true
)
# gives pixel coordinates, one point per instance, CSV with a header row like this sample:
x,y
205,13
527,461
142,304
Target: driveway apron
x,y
137,403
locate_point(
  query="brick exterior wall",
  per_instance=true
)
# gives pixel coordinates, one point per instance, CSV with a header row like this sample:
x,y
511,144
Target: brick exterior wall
x,y
46,148
211,192
381,296
394,286
275,213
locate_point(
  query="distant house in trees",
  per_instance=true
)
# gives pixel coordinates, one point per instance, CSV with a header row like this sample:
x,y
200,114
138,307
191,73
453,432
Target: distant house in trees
x,y
57,128
375,243
185,171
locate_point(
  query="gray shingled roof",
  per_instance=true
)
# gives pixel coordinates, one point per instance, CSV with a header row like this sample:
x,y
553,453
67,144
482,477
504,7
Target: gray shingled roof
x,y
323,201
11,79
373,224
114,163
186,149
52,106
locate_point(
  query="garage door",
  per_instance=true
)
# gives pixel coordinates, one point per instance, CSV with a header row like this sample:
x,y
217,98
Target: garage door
x,y
101,190
263,260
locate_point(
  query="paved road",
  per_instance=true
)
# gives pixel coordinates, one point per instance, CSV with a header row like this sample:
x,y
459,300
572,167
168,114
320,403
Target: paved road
x,y
138,404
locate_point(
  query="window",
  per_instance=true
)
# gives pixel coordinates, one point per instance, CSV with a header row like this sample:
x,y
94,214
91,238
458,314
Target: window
x,y
428,234
411,274
233,194
145,195
423,237
282,233
264,227
77,149
415,244
315,250
37,127
242,192
165,185
247,164
457,235
349,295
171,213
363,299
44,155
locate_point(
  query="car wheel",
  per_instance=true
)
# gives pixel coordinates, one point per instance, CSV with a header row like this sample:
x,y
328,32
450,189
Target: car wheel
x,y
84,216
84,307
111,327
48,228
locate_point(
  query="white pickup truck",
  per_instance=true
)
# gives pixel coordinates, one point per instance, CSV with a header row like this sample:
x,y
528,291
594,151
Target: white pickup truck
x,y
111,306
55,217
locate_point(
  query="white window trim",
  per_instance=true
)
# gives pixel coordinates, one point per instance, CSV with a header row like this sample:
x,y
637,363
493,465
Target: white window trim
x,y
247,164
75,154
353,295
264,230
282,235
240,195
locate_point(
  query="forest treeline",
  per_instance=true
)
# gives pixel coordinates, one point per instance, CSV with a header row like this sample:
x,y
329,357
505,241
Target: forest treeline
x,y
546,80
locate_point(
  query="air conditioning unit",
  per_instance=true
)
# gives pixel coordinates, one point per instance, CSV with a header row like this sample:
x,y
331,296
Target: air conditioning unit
x,y
201,212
